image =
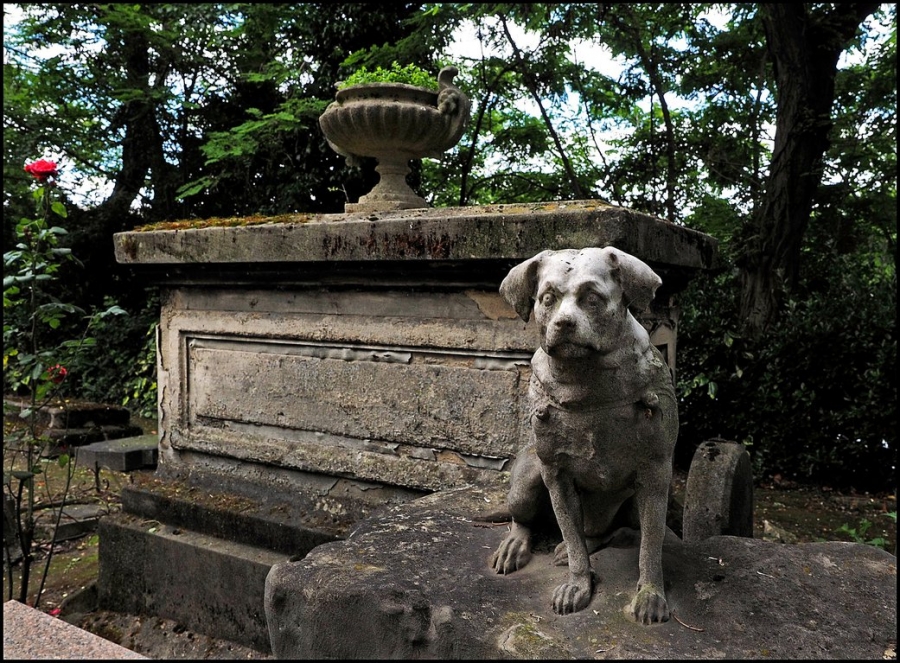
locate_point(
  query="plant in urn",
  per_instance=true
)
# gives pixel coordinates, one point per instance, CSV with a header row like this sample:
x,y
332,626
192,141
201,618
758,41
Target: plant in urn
x,y
394,122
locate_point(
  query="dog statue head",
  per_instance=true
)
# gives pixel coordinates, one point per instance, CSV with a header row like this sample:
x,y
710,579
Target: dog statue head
x,y
581,299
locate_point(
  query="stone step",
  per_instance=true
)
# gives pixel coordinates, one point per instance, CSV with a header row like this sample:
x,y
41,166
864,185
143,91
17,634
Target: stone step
x,y
183,550
120,455
293,528
210,585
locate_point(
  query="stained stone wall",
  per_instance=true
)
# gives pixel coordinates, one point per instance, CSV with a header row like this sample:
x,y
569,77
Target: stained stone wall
x,y
414,389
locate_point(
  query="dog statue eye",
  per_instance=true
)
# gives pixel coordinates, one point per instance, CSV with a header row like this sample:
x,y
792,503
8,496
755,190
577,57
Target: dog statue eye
x,y
593,299
548,298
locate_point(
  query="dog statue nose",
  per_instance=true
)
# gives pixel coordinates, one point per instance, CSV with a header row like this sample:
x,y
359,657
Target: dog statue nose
x,y
563,322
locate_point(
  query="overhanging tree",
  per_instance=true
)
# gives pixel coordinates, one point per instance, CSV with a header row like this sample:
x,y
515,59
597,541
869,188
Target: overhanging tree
x,y
804,42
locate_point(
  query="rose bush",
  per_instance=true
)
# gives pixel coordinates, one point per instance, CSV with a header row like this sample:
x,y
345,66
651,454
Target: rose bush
x,y
57,373
33,363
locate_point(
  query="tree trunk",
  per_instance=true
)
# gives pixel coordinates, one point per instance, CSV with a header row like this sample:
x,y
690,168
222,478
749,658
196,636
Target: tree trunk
x,y
138,117
804,46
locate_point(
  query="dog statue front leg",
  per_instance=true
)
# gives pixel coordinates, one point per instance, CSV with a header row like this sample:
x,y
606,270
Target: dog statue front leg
x,y
575,594
649,604
525,500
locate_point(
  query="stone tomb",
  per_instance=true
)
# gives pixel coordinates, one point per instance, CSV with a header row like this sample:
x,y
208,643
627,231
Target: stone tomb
x,y
317,368
414,582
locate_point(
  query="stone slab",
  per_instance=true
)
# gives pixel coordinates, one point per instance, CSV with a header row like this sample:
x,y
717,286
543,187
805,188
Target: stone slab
x,y
121,455
210,585
414,582
494,232
76,520
197,549
30,634
387,396
292,527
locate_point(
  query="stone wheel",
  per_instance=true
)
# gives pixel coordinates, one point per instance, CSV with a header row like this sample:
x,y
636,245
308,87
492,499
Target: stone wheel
x,y
719,494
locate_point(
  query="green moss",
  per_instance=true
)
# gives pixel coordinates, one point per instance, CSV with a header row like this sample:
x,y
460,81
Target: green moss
x,y
526,640
217,222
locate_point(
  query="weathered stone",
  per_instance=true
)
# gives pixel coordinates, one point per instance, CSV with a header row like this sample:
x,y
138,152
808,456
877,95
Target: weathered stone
x,y
178,546
719,492
208,584
352,361
603,415
502,234
394,123
414,582
354,348
120,455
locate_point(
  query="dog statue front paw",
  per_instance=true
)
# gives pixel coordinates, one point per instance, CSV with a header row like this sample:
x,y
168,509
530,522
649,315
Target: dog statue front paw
x,y
571,597
650,606
514,552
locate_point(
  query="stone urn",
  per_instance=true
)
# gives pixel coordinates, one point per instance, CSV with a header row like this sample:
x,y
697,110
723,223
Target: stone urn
x,y
394,123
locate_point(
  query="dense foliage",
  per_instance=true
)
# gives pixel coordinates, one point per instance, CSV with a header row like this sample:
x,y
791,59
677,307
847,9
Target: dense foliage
x,y
771,127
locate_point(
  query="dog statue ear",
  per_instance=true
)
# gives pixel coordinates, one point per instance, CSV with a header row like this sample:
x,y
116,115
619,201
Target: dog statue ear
x,y
638,281
518,288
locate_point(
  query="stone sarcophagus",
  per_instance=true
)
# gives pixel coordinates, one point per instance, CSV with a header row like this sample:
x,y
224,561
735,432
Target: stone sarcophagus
x,y
371,349
311,368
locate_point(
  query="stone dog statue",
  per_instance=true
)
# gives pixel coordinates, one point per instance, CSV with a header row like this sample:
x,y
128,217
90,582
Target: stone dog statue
x,y
603,418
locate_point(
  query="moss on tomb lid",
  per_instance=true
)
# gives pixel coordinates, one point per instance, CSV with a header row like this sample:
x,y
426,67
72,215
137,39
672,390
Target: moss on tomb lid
x,y
219,222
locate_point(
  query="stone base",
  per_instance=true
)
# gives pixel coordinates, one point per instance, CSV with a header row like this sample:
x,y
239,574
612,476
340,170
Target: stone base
x,y
210,585
185,550
32,634
414,582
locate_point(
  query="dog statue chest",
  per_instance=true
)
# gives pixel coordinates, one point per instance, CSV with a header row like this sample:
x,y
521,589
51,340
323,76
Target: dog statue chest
x,y
585,444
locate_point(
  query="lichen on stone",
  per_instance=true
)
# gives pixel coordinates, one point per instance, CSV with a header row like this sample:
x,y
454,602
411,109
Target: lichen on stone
x,y
228,222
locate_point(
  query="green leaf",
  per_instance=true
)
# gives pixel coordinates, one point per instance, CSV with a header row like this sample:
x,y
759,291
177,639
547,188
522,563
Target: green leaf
x,y
58,208
112,310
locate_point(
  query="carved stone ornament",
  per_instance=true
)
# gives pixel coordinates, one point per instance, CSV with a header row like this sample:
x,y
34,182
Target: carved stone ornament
x,y
394,123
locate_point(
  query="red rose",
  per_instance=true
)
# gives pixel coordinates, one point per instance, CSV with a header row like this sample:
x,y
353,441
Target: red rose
x,y
42,169
57,373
